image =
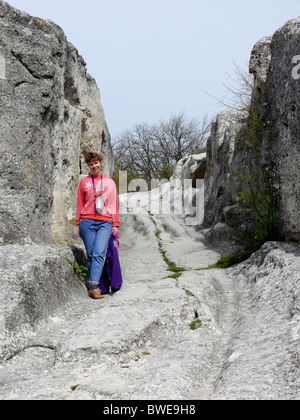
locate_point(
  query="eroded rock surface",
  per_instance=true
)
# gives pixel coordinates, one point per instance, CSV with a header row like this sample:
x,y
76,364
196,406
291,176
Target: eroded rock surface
x,y
50,114
138,343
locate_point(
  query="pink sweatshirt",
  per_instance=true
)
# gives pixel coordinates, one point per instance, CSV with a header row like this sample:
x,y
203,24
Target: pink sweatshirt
x,y
86,200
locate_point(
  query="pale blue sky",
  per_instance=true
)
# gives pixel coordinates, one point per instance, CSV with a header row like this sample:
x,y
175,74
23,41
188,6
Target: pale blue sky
x,y
154,58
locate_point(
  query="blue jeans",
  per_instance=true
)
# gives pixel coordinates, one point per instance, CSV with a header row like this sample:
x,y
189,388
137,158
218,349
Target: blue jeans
x,y
95,235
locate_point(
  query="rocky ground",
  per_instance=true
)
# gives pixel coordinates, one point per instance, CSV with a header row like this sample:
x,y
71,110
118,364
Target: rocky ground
x,y
206,334
139,343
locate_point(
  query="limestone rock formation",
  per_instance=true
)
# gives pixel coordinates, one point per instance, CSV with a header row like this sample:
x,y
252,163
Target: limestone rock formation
x,y
259,66
231,147
264,354
281,106
178,328
187,184
50,114
192,167
221,182
140,343
36,283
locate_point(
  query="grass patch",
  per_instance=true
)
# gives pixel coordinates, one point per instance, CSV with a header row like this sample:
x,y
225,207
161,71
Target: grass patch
x,y
171,264
80,270
226,261
174,276
195,324
157,233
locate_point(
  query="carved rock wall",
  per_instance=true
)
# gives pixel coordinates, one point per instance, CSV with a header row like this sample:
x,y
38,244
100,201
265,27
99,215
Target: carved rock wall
x,y
231,148
50,114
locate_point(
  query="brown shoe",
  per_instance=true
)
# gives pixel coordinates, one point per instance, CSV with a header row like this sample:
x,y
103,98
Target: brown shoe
x,y
95,294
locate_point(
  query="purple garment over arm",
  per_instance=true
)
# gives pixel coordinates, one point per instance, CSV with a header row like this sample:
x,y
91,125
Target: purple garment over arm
x,y
111,275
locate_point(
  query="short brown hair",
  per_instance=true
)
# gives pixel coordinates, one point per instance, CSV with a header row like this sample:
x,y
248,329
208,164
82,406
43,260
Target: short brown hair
x,y
91,156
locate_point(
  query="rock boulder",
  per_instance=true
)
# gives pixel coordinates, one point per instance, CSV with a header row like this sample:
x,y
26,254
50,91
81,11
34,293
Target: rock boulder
x,y
50,114
280,106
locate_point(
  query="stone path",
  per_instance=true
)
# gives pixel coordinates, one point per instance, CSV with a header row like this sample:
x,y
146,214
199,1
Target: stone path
x,y
138,343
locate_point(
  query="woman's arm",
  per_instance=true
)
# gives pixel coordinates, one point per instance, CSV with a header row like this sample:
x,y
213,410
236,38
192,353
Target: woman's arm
x,y
115,207
80,203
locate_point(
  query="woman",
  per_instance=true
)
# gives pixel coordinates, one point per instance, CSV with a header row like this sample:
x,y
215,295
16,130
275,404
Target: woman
x,y
97,216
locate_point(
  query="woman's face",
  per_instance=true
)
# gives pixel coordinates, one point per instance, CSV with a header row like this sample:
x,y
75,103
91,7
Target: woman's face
x,y
95,167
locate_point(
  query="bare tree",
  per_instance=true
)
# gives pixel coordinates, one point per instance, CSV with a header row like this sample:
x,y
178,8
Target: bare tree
x,y
150,150
179,138
135,151
239,93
